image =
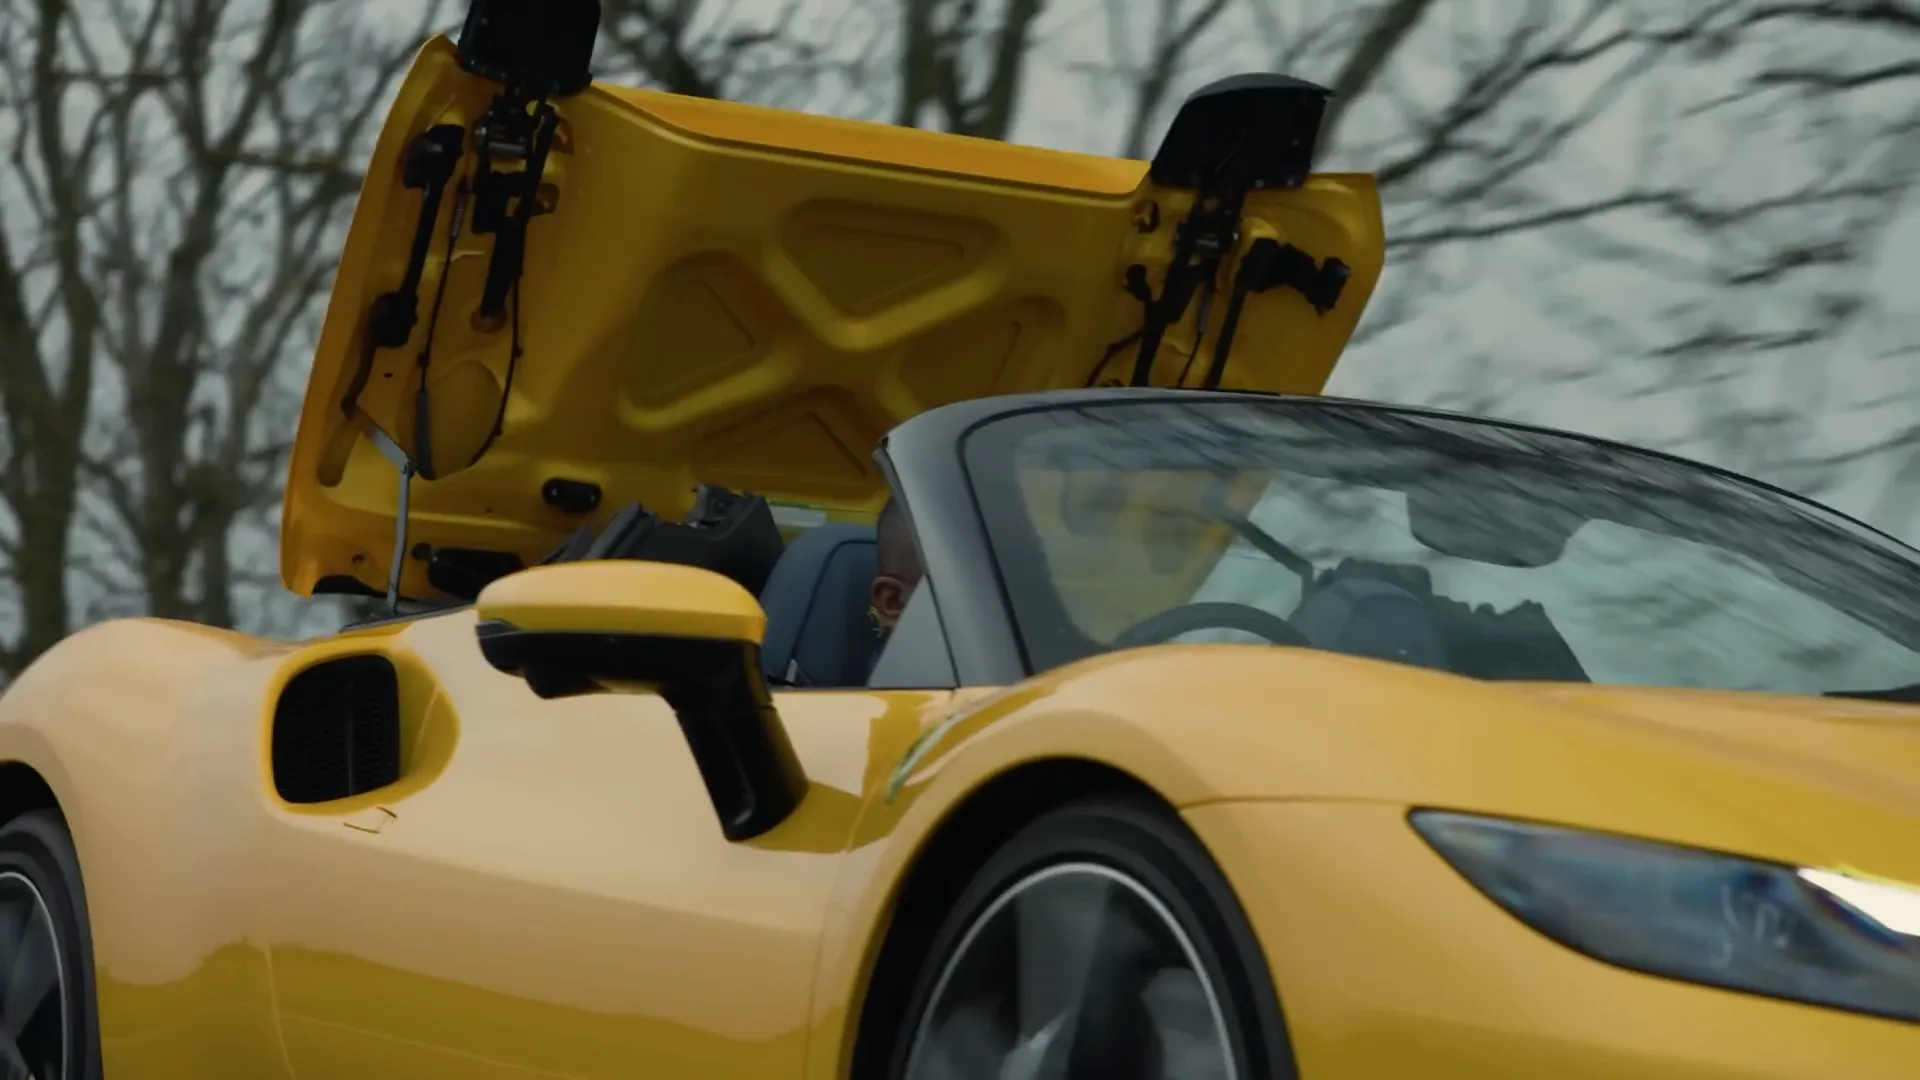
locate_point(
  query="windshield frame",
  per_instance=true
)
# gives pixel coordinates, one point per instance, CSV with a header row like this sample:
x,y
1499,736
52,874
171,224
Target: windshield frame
x,y
1047,636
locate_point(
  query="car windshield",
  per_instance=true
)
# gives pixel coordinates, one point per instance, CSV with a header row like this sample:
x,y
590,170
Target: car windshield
x,y
1475,547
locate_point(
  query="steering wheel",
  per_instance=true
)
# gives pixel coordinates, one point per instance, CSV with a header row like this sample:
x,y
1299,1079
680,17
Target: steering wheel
x,y
1211,615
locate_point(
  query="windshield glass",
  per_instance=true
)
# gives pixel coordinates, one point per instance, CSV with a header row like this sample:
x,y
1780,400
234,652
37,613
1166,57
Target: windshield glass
x,y
1467,546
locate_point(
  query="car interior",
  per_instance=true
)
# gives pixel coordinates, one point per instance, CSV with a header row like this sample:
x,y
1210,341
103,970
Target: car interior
x,y
814,588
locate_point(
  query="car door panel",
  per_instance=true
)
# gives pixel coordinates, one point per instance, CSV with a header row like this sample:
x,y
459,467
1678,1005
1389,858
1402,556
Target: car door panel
x,y
560,900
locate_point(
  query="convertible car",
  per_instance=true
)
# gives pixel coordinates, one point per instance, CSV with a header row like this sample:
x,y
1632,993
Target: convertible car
x,y
1230,731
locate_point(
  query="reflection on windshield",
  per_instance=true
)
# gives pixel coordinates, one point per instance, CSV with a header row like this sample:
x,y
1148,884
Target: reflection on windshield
x,y
1470,547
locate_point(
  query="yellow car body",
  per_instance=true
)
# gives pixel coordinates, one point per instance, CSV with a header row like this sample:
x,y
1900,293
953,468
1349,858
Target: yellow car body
x,y
542,891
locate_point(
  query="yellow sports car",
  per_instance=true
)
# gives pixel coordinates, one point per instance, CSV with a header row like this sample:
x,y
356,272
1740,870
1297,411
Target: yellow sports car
x,y
1130,713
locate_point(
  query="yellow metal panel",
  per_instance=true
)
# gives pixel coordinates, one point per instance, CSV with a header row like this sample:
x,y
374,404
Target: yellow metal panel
x,y
1389,964
722,293
625,596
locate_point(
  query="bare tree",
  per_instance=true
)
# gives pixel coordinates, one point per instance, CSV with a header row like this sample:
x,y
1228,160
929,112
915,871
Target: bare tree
x,y
960,68
46,380
1712,238
1467,114
155,294
1779,323
955,65
1176,27
1464,111
255,203
1696,195
704,48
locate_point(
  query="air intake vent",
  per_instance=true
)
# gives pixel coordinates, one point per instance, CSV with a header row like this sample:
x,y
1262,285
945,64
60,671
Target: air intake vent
x,y
336,731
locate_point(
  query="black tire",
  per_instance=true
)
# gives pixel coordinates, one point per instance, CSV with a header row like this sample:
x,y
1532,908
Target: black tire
x,y
37,848
1143,841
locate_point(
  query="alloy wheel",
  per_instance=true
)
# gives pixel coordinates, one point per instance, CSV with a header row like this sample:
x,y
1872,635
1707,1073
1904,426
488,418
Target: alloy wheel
x,y
33,986
1075,972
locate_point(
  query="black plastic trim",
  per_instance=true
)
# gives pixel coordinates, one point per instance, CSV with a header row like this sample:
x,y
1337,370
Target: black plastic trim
x,y
1260,128
336,730
922,465
540,48
345,585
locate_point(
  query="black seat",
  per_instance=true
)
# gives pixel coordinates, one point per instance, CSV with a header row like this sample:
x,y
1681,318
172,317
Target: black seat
x,y
1372,619
731,535
818,632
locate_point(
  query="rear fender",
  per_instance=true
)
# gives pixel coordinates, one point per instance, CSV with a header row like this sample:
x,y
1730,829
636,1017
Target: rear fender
x,y
148,734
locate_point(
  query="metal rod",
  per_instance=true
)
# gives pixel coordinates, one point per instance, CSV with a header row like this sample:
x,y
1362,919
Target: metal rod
x,y
399,539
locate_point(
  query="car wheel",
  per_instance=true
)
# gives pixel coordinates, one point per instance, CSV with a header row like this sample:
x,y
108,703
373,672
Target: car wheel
x,y
1099,942
48,1027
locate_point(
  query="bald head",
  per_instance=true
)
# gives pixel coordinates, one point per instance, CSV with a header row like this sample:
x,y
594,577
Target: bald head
x,y
897,568
898,555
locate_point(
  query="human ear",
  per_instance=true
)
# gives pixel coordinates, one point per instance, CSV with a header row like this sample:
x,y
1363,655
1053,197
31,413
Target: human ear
x,y
888,596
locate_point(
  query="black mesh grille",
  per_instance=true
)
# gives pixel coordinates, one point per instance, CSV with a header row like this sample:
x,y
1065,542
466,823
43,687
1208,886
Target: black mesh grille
x,y
336,731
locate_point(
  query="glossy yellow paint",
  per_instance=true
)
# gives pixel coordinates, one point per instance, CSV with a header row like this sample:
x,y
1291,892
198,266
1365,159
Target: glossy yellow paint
x,y
1422,976
1815,783
546,892
1204,728
625,596
748,297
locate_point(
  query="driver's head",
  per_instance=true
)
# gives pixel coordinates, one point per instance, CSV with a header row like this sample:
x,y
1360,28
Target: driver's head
x,y
898,569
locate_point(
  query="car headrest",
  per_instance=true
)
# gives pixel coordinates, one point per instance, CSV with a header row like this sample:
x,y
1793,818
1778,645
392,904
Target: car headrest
x,y
818,633
730,534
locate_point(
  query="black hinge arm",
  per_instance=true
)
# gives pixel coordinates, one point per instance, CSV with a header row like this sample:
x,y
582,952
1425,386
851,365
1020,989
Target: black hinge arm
x,y
1270,264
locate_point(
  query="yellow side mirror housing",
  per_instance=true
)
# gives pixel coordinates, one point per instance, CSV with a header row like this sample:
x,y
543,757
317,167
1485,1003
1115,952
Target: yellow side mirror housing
x,y
688,634
625,597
